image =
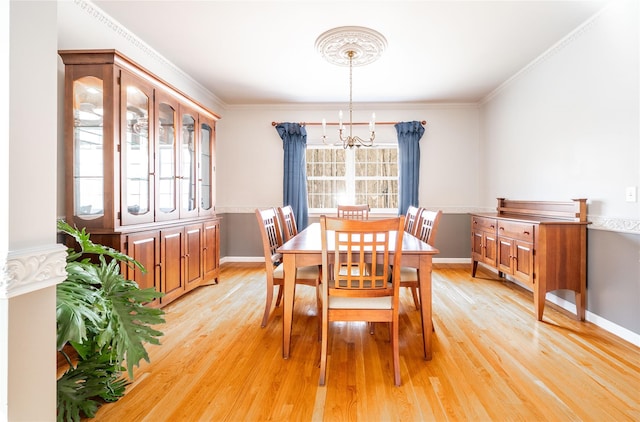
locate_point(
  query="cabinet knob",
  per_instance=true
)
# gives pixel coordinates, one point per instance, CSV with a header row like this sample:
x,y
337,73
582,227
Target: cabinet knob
x,y
527,233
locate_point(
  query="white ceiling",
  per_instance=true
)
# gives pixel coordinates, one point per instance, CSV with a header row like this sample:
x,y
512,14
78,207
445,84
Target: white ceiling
x,y
262,52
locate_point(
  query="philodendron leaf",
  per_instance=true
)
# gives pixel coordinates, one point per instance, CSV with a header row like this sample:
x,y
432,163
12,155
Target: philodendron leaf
x,y
76,311
88,247
79,388
131,322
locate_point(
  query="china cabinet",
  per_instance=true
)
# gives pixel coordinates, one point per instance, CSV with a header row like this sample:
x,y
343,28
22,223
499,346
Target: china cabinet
x,y
140,170
541,244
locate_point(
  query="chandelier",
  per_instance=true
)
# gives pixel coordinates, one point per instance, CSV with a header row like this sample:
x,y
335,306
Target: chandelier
x,y
351,46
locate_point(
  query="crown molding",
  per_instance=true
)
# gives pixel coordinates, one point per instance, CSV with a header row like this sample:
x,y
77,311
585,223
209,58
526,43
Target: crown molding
x,y
558,46
28,270
361,106
115,27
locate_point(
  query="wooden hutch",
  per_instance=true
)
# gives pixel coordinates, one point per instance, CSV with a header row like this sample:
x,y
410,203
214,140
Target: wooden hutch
x,y
140,170
542,244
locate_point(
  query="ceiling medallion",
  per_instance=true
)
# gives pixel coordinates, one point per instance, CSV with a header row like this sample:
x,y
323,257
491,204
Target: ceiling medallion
x,y
366,44
351,46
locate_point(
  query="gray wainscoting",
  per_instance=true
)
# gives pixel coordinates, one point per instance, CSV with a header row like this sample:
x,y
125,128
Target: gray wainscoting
x,y
613,268
240,238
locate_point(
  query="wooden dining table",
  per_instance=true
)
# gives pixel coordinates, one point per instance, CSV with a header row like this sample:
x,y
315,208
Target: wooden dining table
x,y
305,249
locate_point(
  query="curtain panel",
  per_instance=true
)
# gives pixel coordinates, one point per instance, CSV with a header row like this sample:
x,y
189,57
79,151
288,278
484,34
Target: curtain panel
x,y
294,142
409,135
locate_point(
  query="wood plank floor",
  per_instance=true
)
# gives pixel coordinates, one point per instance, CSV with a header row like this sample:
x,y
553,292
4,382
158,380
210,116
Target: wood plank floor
x,y
492,361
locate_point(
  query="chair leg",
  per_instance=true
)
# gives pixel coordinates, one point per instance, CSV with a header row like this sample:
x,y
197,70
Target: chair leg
x,y
267,306
279,298
323,348
318,312
396,353
416,300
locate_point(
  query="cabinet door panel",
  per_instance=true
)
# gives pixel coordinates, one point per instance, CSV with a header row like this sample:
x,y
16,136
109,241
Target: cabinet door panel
x,y
206,163
193,256
504,255
490,249
172,251
145,248
136,150
523,261
476,245
166,158
188,163
211,250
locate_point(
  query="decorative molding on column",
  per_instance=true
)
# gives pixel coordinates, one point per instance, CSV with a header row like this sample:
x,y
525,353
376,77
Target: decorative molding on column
x,y
28,270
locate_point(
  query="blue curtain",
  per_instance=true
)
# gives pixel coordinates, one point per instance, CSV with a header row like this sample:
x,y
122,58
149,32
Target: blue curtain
x,y
409,134
294,142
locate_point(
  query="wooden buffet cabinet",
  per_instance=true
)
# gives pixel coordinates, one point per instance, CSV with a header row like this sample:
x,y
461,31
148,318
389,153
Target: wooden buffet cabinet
x,y
542,244
140,170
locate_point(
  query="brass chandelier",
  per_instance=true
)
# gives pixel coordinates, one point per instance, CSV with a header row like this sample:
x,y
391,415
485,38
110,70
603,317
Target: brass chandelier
x,y
352,46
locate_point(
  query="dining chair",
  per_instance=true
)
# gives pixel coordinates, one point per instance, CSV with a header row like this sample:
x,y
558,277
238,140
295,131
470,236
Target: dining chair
x,y
354,212
410,219
426,230
361,286
288,220
271,241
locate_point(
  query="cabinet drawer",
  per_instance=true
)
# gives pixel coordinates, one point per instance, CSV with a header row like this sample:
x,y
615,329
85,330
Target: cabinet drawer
x,y
521,231
483,223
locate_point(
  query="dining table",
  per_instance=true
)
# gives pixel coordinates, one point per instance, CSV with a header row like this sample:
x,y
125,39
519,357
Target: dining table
x,y
305,249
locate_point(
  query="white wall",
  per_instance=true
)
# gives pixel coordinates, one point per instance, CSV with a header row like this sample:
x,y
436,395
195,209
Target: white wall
x,y
249,173
568,125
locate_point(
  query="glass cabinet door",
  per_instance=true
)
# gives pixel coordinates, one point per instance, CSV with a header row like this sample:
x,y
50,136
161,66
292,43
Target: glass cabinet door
x,y
137,177
206,168
88,145
188,165
166,160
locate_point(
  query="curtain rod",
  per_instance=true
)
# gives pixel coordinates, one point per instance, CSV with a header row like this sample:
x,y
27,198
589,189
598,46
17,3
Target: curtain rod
x,y
344,124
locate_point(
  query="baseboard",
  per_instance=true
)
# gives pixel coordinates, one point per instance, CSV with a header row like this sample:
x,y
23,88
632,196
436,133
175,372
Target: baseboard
x,y
227,259
603,323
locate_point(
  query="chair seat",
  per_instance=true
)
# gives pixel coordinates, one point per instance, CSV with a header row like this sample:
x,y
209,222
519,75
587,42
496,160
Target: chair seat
x,y
341,302
408,274
310,272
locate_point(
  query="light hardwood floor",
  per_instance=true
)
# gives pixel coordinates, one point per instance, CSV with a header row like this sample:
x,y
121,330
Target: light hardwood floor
x,y
492,361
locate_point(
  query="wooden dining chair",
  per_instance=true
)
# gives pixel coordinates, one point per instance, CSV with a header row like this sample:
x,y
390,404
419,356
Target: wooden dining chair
x,y
271,240
354,212
288,220
426,230
411,219
358,285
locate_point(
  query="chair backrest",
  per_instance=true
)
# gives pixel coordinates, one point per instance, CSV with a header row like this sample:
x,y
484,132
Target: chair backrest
x,y
411,219
427,229
356,271
271,235
354,212
288,220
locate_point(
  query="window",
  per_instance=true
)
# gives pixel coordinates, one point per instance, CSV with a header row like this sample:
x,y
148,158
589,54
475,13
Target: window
x,y
356,176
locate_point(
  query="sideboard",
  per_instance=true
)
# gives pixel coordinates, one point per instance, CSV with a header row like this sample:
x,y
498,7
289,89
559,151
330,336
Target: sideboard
x,y
541,244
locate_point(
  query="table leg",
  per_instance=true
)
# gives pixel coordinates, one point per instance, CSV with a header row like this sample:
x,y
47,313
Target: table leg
x,y
425,302
287,311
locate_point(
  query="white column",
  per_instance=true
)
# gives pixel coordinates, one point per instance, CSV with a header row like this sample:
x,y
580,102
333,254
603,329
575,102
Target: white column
x,y
32,262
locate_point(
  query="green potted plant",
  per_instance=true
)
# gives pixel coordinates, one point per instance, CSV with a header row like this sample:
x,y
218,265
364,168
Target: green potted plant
x,y
103,323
